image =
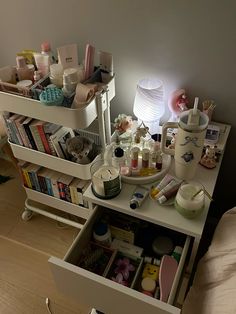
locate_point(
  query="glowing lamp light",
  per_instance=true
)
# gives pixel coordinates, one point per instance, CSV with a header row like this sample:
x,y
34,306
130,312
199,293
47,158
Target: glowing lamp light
x,y
149,103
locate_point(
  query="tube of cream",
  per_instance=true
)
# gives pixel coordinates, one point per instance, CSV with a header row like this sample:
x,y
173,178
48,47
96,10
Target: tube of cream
x,y
167,195
138,197
42,62
173,183
167,179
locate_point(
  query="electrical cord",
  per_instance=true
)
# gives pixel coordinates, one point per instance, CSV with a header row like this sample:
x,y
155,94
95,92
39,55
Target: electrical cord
x,y
48,305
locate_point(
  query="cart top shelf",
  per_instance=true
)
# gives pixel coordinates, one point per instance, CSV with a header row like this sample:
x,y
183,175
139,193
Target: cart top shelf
x,y
73,118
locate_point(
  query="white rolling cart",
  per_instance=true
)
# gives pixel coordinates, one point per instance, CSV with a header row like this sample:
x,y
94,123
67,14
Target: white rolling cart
x,y
98,109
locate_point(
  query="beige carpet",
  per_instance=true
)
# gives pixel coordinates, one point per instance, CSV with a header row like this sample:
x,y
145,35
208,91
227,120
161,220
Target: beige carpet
x,y
25,277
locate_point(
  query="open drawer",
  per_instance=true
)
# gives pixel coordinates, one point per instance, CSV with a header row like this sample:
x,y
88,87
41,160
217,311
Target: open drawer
x,y
104,294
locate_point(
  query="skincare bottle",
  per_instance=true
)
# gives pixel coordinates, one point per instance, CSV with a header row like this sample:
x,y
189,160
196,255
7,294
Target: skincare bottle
x,y
118,159
46,50
134,157
23,72
145,158
56,74
37,76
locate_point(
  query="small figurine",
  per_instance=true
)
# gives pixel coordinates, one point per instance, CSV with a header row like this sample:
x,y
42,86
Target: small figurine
x,y
141,131
209,158
151,271
177,103
173,141
82,149
123,123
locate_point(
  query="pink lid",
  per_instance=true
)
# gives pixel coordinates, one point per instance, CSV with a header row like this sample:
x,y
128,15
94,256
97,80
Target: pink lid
x,y
45,46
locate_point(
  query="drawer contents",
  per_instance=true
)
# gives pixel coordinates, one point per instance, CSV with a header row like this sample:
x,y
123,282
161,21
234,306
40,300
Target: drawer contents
x,y
97,258
136,254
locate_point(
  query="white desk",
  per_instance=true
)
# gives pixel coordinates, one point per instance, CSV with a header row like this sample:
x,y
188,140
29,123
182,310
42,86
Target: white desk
x,y
167,216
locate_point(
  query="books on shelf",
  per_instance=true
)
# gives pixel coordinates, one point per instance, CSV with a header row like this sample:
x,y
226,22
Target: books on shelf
x,y
59,141
53,183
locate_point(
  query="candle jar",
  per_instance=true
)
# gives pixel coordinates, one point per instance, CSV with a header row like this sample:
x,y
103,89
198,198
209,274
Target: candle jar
x,y
106,180
190,200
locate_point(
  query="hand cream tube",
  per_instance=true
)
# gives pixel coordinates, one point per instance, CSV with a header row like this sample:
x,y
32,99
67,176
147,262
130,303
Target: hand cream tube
x,y
138,197
173,183
167,179
42,62
169,194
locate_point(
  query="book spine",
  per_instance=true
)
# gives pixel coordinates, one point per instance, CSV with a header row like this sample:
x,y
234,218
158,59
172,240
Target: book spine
x,y
7,127
42,183
67,193
44,139
23,178
52,149
61,191
49,186
55,188
72,193
24,136
37,138
80,196
30,137
36,181
76,197
28,182
12,134
20,142
32,181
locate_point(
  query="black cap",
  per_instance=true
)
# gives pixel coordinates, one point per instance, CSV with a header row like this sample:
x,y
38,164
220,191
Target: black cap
x,y
133,204
119,152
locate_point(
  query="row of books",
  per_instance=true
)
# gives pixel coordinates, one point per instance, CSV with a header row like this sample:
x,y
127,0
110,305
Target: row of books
x,y
39,135
53,183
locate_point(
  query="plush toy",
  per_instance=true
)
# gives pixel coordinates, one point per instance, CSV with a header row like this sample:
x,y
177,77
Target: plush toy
x,y
82,149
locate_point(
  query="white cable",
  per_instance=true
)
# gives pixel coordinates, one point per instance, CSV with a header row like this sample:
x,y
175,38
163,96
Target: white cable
x,y
48,305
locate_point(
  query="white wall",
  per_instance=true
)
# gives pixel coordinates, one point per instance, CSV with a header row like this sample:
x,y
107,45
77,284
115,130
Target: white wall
x,y
186,43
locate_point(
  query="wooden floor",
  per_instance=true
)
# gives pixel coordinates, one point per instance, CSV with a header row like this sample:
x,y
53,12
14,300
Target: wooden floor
x,y
25,277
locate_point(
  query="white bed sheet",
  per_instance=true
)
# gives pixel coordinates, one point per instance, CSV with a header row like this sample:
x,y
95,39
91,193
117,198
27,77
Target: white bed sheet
x,y
214,287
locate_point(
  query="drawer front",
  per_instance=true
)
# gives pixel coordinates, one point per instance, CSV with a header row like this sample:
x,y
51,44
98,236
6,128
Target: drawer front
x,y
102,293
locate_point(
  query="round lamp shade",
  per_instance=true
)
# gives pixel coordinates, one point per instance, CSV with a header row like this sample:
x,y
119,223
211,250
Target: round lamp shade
x,y
149,103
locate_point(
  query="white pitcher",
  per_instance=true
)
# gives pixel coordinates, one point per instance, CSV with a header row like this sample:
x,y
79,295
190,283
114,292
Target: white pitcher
x,y
189,143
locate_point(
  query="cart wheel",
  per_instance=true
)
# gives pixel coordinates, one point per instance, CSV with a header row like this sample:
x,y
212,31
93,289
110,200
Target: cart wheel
x,y
27,214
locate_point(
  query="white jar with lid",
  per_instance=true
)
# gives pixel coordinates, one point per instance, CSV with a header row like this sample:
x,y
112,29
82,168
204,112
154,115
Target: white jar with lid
x,y
102,234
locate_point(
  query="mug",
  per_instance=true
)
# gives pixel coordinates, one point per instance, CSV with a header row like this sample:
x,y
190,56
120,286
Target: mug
x,y
188,145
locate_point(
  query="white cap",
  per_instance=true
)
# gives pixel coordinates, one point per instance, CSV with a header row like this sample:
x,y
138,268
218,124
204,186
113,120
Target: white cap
x,y
162,199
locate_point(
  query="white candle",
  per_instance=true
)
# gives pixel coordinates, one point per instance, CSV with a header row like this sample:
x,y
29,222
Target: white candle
x,y
185,197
